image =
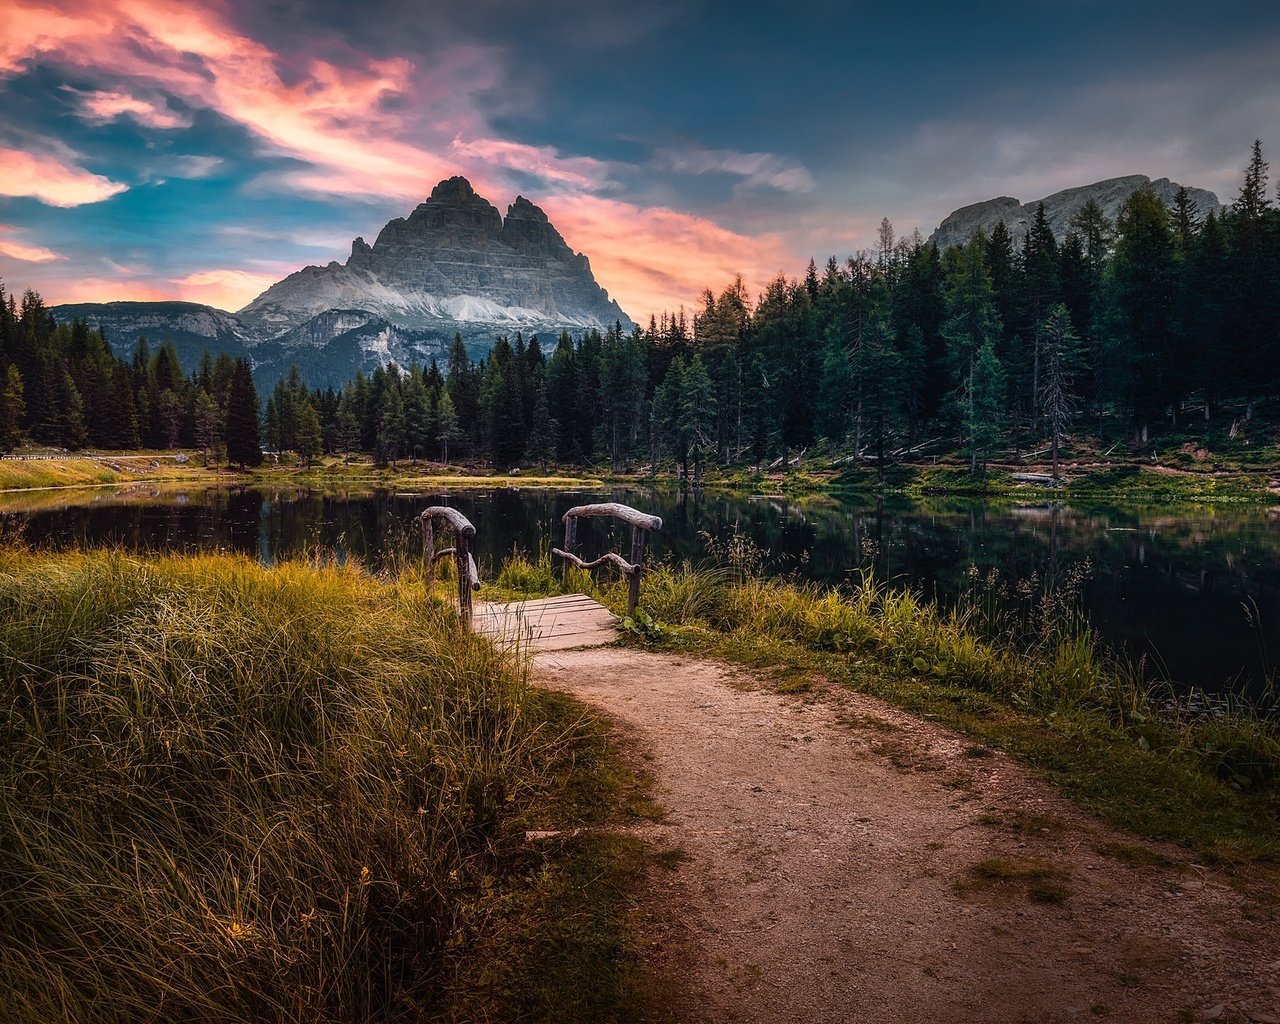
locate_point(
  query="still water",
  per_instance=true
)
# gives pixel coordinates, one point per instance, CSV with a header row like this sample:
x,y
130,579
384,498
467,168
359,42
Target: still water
x,y
1173,586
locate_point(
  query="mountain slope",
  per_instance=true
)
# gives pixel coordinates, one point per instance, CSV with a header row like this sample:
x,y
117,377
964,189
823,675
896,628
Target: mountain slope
x,y
1059,208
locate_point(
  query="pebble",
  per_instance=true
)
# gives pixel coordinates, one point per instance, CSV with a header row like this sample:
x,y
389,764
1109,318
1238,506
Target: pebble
x,y
1215,1012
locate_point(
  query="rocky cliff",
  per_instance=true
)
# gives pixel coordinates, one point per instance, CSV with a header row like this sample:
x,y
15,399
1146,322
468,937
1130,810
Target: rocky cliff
x,y
455,265
454,259
1059,208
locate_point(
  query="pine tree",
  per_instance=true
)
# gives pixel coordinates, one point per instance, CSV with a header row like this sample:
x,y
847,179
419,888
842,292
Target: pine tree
x,y
1142,278
972,321
308,439
243,446
348,427
1061,355
697,413
541,433
451,433
12,409
208,423
984,406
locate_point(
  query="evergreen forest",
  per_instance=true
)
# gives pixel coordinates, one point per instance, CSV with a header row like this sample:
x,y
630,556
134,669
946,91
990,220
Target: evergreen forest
x,y
1165,319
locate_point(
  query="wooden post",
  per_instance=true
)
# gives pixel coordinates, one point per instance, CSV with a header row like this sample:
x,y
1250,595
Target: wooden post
x,y
637,568
463,561
429,550
468,577
570,539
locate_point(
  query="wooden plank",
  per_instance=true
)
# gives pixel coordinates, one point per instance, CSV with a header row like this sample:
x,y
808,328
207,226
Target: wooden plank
x,y
546,624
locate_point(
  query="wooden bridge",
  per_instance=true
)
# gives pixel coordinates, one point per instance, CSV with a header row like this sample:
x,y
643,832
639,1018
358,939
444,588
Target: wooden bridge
x,y
546,624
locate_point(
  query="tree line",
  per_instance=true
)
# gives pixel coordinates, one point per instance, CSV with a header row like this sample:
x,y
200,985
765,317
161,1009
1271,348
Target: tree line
x,y
1134,326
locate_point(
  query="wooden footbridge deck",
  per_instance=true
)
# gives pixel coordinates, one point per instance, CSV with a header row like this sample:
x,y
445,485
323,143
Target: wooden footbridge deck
x,y
548,624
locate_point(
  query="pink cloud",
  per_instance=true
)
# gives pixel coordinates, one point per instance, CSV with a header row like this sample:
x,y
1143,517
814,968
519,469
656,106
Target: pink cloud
x,y
104,289
346,120
225,289
16,250
655,259
101,107
542,161
51,180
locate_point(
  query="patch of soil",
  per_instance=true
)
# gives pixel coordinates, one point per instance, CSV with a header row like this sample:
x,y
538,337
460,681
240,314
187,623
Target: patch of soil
x,y
850,862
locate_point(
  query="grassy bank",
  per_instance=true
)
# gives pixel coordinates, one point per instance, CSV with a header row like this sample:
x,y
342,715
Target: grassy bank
x,y
1089,479
1013,667
236,794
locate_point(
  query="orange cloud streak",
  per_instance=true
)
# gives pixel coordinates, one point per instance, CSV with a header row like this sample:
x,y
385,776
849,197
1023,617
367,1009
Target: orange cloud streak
x,y
655,259
52,181
335,120
225,289
20,251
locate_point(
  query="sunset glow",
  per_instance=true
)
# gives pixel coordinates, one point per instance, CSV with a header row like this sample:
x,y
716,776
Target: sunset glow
x,y
146,121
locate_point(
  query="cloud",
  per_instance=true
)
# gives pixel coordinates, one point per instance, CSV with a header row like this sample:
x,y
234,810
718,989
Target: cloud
x,y
347,124
225,289
654,259
17,250
757,170
101,107
104,289
52,180
540,161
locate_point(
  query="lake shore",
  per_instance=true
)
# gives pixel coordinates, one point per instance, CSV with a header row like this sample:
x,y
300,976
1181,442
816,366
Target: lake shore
x,y
1110,483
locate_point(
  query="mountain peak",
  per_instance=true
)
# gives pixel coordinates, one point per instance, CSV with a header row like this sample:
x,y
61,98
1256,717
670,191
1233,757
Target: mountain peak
x,y
452,189
522,209
454,259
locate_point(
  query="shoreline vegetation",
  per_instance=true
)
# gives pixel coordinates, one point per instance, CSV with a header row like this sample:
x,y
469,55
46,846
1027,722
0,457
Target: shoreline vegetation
x,y
1201,481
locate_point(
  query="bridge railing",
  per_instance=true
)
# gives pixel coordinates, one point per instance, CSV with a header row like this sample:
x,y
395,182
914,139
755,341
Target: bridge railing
x,y
464,560
641,524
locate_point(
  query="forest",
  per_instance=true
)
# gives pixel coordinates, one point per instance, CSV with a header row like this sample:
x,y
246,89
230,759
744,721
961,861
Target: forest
x,y
1164,319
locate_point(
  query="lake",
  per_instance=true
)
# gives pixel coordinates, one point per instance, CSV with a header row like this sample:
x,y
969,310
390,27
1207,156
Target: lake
x,y
1169,584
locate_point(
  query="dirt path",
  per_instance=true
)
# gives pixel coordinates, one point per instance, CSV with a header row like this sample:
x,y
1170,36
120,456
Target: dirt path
x,y
832,846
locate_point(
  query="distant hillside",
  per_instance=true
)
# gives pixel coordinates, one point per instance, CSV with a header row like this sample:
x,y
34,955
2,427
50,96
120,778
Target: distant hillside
x,y
1059,208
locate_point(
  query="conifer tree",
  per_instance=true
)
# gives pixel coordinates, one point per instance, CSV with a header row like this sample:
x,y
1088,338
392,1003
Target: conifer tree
x,y
243,446
308,441
1058,396
984,406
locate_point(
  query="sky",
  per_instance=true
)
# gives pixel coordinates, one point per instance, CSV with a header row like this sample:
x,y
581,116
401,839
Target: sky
x,y
201,150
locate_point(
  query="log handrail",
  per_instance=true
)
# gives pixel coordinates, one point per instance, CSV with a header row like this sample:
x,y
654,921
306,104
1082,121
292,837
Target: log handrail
x,y
465,563
641,523
612,508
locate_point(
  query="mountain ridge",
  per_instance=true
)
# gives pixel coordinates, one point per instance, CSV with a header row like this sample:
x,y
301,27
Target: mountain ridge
x,y
1059,207
453,266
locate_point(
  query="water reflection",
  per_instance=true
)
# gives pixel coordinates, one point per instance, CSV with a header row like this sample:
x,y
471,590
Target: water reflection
x,y
1169,585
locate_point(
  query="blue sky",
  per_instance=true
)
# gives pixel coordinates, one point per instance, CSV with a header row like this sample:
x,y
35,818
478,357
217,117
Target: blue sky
x,y
200,151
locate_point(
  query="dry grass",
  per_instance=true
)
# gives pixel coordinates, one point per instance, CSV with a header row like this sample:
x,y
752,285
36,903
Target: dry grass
x,y
229,793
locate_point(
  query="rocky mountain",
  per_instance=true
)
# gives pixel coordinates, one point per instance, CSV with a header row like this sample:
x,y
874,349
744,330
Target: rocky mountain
x,y
454,259
1059,208
455,265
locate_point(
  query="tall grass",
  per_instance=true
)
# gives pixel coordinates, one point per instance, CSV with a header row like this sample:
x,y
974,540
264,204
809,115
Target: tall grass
x,y
229,793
